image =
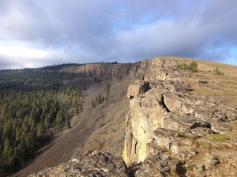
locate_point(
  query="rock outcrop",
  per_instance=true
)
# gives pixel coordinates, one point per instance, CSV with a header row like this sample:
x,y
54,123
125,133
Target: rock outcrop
x,y
94,164
166,115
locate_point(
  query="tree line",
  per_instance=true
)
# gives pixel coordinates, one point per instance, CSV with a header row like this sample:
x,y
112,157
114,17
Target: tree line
x,y
34,106
29,119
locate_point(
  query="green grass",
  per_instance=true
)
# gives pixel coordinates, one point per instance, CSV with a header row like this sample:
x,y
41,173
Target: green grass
x,y
217,137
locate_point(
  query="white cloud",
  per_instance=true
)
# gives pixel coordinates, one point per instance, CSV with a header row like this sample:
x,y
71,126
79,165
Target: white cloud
x,y
22,54
40,32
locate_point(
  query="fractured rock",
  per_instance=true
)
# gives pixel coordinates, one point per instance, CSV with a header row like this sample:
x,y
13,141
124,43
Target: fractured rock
x,y
95,164
160,166
168,105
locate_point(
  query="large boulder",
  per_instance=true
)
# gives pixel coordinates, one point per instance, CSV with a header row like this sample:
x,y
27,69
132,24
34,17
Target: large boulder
x,y
137,88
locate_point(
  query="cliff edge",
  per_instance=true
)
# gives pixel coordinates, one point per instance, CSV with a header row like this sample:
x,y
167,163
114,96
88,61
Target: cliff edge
x,y
168,117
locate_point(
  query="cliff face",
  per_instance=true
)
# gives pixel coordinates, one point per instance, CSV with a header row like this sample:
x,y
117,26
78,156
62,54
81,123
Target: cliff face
x,y
103,70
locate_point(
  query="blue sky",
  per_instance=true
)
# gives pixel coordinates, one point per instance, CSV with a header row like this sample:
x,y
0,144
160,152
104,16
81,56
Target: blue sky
x,y
35,33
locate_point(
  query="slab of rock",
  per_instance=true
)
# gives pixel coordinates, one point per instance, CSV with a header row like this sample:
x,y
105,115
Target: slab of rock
x,y
136,88
160,166
172,141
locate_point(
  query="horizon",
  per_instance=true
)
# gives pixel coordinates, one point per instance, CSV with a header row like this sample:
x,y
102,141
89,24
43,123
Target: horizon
x,y
113,62
41,33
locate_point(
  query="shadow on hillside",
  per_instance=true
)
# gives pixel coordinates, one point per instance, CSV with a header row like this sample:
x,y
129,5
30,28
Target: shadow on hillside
x,y
46,145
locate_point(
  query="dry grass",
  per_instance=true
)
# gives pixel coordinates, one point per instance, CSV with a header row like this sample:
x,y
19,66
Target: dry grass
x,y
223,86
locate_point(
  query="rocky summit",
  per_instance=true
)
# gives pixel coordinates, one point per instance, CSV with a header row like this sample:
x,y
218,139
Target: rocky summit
x,y
179,124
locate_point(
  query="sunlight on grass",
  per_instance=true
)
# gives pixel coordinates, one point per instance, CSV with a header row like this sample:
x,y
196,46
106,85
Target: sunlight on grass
x,y
217,137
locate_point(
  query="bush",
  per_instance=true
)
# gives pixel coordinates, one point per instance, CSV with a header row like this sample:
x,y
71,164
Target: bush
x,y
193,66
97,100
217,71
107,90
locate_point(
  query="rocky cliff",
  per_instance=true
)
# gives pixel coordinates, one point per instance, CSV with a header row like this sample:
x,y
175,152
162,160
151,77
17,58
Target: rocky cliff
x,y
167,116
103,70
181,122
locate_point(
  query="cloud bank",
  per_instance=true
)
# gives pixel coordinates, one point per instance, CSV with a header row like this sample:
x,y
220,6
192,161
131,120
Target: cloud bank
x,y
41,32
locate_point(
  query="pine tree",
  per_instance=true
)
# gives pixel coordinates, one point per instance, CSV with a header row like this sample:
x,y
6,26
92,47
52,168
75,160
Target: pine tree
x,y
107,90
7,152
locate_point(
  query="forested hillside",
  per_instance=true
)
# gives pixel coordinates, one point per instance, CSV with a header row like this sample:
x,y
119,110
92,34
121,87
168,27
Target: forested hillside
x,y
35,104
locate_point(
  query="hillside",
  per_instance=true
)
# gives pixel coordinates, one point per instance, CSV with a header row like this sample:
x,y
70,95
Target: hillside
x,y
162,115
93,128
37,106
181,122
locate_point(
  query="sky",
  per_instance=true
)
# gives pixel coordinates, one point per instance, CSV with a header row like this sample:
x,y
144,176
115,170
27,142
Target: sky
x,y
36,33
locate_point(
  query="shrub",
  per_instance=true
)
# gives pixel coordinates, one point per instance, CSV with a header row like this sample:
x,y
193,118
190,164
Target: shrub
x,y
97,100
107,90
182,66
217,71
193,66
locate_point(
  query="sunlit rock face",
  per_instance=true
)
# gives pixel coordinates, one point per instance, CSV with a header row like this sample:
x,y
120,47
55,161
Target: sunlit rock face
x,y
146,111
141,122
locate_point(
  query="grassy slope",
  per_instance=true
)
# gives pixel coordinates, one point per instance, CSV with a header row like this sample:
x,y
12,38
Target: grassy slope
x,y
225,88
